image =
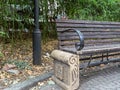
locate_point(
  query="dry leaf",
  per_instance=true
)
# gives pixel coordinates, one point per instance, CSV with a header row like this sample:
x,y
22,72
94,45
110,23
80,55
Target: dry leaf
x,y
29,72
102,65
8,66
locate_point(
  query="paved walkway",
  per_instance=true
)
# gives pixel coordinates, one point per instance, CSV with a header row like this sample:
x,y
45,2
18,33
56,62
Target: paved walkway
x,y
107,79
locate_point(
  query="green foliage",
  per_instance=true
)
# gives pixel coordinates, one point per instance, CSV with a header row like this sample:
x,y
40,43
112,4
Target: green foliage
x,y
14,13
1,55
14,16
18,63
18,14
22,65
104,10
47,12
2,34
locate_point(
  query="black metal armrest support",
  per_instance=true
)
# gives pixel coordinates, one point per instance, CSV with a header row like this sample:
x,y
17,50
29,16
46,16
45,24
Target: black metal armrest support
x,y
79,45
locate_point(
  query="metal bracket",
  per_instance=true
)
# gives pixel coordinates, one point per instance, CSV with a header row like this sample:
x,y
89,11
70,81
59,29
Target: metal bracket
x,y
79,45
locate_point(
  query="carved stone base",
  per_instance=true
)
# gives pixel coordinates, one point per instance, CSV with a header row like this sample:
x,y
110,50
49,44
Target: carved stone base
x,y
66,69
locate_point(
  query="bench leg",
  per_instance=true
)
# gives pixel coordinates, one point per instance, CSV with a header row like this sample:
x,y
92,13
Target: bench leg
x,y
66,69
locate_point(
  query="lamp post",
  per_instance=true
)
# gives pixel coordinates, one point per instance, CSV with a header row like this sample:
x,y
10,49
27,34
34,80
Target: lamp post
x,y
36,36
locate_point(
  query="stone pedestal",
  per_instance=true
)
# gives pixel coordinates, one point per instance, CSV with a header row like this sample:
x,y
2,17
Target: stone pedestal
x,y
66,69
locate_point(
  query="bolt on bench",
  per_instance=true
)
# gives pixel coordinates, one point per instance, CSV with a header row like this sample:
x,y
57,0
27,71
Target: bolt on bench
x,y
90,42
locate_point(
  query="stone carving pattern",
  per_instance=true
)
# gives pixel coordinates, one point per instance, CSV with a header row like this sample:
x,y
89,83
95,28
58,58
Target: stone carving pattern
x,y
75,72
59,71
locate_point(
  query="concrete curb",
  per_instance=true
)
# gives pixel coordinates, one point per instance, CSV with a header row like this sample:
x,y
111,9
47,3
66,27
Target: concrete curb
x,y
27,84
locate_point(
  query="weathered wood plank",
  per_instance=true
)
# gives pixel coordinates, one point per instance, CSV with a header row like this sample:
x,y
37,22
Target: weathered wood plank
x,y
87,33
87,22
87,26
89,29
100,49
93,49
89,37
90,42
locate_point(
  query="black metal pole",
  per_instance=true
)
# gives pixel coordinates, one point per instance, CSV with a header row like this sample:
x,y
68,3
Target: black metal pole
x,y
36,36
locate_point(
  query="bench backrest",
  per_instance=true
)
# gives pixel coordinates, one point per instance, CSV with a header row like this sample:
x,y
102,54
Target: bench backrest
x,y
95,32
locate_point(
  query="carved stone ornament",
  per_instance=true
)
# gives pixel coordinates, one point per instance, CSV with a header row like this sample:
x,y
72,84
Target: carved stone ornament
x,y
66,69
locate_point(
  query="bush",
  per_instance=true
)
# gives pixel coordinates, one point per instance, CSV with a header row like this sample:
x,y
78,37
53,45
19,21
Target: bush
x,y
18,14
103,10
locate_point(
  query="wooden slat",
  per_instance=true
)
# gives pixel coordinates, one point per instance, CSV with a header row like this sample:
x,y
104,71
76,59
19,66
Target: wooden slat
x,y
89,29
88,22
87,26
97,49
102,41
102,46
89,37
93,49
89,41
105,43
87,33
89,44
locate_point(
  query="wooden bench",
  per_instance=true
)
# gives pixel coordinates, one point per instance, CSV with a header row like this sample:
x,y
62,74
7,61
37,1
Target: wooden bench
x,y
90,40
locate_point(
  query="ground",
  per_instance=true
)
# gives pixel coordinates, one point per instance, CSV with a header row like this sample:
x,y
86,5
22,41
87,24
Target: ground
x,y
16,61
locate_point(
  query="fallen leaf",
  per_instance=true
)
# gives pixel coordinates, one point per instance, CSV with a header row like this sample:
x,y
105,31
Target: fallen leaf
x,y
29,72
102,65
16,72
8,66
51,82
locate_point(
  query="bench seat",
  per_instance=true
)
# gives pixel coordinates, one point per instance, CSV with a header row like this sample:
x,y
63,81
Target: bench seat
x,y
94,49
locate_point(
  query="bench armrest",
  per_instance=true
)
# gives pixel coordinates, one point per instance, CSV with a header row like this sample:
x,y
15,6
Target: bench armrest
x,y
79,45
